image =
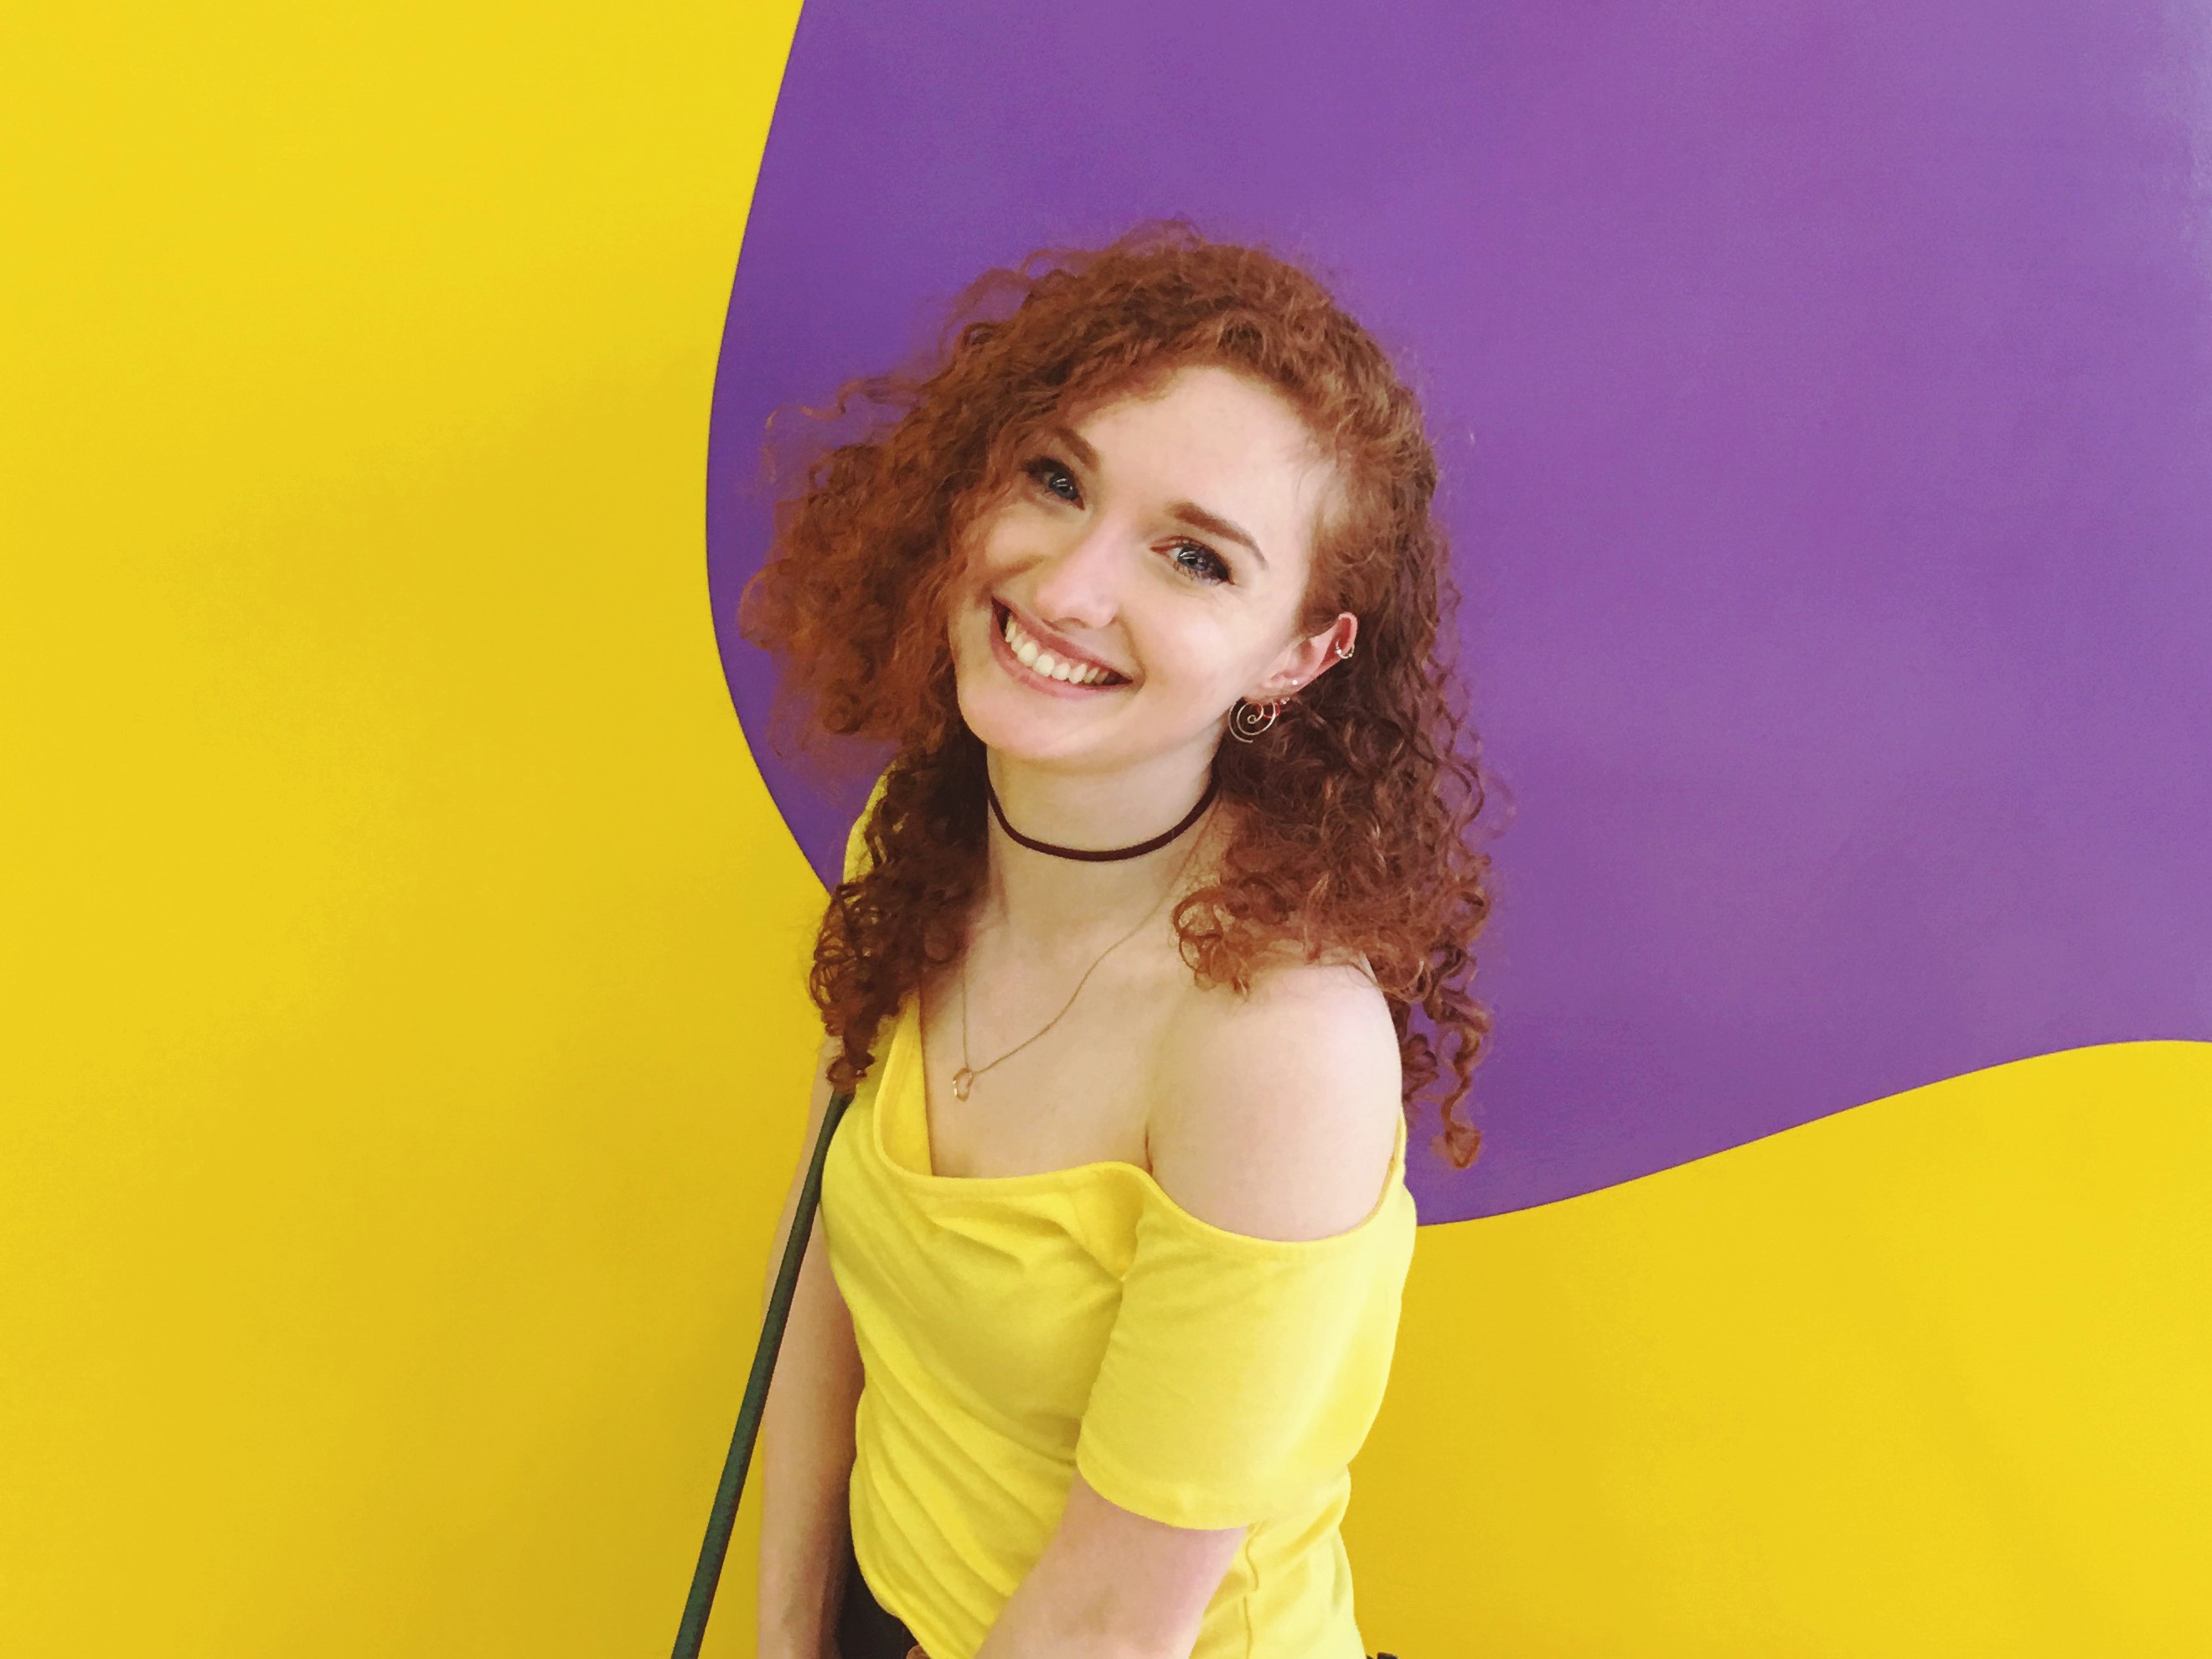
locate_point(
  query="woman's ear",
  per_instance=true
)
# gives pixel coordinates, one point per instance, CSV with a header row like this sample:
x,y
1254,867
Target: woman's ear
x,y
1305,660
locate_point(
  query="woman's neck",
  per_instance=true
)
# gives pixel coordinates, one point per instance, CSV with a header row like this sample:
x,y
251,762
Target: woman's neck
x,y
1051,907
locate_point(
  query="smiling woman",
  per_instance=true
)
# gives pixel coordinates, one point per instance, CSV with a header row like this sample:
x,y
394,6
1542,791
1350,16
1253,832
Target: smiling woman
x,y
1115,1227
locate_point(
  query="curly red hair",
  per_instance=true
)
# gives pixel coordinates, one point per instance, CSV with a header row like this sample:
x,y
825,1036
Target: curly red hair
x,y
1359,803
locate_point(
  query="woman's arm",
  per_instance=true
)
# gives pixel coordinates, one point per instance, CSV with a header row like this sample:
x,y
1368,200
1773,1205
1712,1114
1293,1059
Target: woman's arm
x,y
1112,1584
806,1438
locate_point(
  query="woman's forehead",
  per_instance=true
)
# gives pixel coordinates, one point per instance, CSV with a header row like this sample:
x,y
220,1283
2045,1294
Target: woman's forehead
x,y
1197,418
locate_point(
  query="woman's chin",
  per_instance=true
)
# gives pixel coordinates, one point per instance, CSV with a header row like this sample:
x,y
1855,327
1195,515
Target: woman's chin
x,y
1022,726
1020,737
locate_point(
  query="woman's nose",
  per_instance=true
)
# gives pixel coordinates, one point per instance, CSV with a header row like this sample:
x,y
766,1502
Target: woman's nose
x,y
1077,583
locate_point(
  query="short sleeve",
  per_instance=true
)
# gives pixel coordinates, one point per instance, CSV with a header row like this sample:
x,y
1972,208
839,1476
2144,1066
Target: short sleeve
x,y
856,844
1241,1375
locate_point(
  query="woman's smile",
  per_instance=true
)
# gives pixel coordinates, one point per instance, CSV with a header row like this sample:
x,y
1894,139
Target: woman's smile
x,y
1046,661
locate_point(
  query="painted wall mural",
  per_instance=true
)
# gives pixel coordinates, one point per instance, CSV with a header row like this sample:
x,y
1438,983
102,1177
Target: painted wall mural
x,y
402,1035
1825,401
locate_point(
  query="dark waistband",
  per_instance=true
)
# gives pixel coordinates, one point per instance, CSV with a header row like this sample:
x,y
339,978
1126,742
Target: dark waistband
x,y
866,1628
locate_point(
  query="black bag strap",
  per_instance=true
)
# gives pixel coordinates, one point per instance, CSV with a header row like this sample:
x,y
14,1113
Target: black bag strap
x,y
708,1573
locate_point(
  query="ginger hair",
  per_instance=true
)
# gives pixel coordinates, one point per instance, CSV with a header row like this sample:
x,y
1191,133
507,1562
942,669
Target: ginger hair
x,y
1357,807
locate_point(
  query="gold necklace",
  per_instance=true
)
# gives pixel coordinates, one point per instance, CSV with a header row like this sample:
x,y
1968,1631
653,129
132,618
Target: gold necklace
x,y
964,1079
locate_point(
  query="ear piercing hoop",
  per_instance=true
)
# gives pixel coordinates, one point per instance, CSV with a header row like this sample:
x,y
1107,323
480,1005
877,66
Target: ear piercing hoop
x,y
1248,721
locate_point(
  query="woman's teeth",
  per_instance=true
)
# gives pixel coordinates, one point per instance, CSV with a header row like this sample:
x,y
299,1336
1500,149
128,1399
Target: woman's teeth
x,y
1038,659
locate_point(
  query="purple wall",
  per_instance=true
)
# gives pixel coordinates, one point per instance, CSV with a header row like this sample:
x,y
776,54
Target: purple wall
x,y
1825,395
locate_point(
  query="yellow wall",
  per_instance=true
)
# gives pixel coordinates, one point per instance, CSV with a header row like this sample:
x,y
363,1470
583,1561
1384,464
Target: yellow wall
x,y
1924,1380
402,1023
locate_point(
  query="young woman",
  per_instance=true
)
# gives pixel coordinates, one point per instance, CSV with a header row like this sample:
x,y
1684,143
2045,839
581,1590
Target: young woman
x,y
1158,918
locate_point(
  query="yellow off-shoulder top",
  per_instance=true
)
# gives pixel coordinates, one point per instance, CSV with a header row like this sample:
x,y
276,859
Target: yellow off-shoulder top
x,y
1016,1329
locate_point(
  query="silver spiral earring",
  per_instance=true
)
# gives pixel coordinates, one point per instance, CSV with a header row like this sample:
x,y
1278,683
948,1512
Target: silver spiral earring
x,y
1247,722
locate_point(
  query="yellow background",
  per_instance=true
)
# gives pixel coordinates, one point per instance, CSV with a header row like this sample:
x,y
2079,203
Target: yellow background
x,y
402,1037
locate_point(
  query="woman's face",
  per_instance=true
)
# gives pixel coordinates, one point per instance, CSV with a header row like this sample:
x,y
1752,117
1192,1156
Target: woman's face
x,y
1145,570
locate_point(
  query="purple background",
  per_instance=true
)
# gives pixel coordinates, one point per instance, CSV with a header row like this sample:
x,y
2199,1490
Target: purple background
x,y
1825,397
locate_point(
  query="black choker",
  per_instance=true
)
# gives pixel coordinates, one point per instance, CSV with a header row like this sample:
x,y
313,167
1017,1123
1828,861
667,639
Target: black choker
x,y
1104,855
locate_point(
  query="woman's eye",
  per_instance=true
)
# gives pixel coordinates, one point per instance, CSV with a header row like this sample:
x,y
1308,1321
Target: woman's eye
x,y
1200,561
1193,559
1052,476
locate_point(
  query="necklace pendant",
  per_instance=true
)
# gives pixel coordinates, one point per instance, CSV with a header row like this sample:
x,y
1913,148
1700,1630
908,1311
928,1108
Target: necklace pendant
x,y
963,1080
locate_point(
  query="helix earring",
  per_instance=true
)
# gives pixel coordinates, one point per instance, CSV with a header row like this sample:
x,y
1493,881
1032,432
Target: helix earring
x,y
1344,652
1247,722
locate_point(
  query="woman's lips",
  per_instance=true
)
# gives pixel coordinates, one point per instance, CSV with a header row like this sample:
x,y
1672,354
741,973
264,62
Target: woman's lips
x,y
1028,676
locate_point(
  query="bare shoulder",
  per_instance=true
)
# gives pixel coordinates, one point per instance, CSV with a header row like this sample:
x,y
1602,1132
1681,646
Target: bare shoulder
x,y
1275,1114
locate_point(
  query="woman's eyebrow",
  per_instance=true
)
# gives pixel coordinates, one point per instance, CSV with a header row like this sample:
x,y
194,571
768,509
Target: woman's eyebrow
x,y
1189,513
1085,456
1213,523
